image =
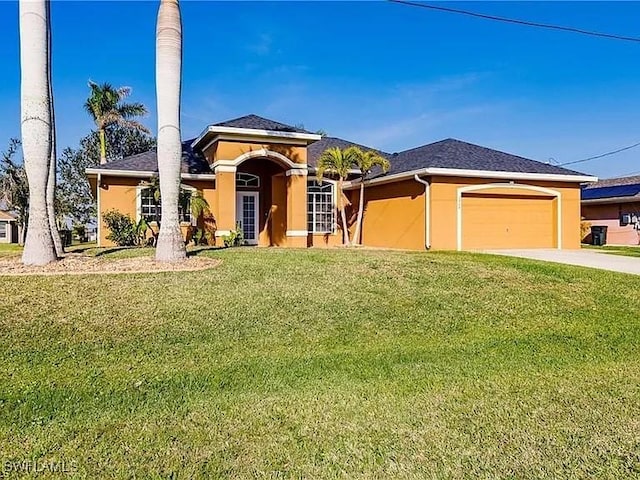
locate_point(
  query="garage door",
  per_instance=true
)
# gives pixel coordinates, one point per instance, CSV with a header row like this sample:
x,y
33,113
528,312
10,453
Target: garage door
x,y
498,221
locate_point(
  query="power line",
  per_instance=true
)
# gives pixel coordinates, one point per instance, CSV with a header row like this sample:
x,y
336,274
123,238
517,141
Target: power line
x,y
517,21
602,155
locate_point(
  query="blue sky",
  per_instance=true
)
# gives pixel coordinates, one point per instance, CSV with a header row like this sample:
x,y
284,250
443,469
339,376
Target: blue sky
x,y
386,75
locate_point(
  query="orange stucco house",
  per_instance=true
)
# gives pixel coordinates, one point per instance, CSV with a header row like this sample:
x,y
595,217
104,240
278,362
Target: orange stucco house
x,y
447,195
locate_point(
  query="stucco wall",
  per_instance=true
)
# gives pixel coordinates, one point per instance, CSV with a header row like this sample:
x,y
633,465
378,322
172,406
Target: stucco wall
x,y
609,215
119,193
393,215
230,150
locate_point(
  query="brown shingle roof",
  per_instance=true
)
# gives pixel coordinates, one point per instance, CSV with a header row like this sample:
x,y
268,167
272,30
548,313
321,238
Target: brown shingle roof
x,y
192,162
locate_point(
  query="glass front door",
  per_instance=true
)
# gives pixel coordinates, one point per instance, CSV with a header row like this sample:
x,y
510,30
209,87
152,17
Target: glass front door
x,y
247,216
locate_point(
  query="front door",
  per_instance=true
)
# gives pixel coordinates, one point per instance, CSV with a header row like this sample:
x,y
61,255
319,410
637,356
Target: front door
x,y
247,216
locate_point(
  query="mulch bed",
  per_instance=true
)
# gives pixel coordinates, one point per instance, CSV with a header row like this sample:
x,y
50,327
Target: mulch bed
x,y
79,264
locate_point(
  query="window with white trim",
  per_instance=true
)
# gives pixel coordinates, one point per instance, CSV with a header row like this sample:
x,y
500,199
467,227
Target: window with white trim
x,y
3,229
321,210
151,210
247,180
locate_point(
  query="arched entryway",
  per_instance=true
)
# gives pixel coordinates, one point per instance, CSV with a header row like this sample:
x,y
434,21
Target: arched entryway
x,y
261,201
264,193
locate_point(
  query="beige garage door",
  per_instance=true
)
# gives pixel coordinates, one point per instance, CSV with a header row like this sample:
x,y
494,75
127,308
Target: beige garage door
x,y
494,221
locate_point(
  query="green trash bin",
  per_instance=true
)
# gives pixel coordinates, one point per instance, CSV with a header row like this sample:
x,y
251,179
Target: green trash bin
x,y
599,235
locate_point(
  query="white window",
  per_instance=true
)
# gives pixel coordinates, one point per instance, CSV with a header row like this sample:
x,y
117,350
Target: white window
x,y
247,180
152,210
3,229
321,210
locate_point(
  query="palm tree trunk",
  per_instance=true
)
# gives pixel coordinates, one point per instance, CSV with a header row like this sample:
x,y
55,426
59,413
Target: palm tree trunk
x,y
356,237
36,127
170,244
345,230
103,146
51,192
51,180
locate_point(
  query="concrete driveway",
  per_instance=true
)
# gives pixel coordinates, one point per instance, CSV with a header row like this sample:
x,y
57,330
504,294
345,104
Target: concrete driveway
x,y
583,258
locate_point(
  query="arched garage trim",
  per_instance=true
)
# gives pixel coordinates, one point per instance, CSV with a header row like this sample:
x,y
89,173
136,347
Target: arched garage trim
x,y
519,186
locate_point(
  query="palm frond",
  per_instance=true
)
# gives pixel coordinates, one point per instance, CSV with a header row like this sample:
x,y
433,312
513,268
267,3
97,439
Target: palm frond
x,y
367,160
198,205
129,110
335,160
124,92
105,106
132,124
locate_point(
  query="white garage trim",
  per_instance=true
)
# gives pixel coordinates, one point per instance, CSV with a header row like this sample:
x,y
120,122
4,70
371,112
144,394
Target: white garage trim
x,y
519,186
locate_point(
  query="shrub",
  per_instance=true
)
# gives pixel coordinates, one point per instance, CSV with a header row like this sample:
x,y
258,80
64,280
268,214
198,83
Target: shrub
x,y
123,231
80,231
585,230
235,237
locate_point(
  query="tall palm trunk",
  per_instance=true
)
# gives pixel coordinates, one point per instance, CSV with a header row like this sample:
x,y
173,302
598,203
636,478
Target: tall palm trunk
x,y
51,191
51,180
103,146
356,236
170,247
345,230
36,127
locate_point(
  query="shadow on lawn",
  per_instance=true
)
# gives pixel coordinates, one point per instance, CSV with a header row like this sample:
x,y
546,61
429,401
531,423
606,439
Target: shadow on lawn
x,y
109,250
192,252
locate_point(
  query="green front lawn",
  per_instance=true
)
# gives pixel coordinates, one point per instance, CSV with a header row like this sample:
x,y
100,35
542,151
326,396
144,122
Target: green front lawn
x,y
325,364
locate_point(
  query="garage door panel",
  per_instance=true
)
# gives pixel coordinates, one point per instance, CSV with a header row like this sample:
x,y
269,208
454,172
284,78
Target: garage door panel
x,y
508,221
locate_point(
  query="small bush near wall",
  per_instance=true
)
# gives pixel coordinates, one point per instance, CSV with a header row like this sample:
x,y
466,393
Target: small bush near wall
x,y
235,237
585,230
123,231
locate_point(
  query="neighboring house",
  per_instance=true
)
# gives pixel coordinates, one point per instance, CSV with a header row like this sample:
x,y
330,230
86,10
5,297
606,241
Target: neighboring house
x,y
8,227
445,195
614,203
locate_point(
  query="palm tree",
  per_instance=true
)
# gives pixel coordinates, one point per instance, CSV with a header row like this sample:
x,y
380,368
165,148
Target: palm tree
x,y
170,247
366,161
36,126
107,107
339,162
51,180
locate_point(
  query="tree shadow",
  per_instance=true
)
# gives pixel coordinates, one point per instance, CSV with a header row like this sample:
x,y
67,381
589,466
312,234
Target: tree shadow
x,y
108,250
195,251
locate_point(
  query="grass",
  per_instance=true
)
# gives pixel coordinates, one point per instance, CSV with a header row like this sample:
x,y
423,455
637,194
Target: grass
x,y
12,249
624,250
325,364
9,250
